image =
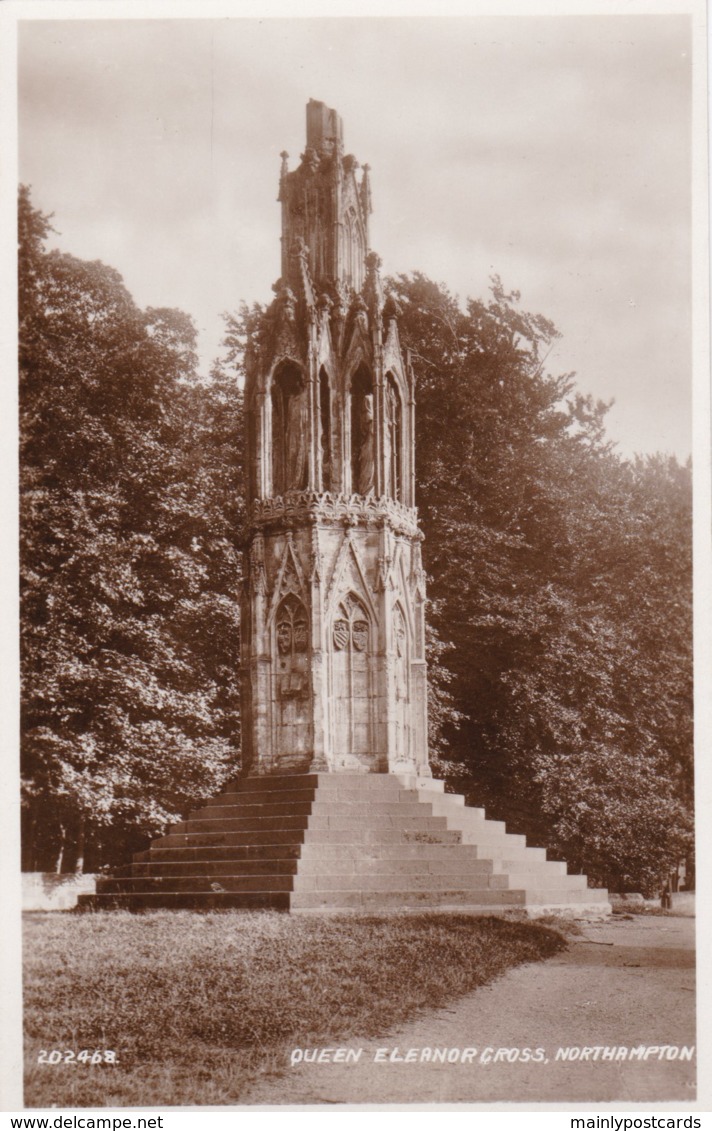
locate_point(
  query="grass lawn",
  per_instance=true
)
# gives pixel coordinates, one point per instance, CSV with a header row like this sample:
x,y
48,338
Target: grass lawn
x,y
195,1005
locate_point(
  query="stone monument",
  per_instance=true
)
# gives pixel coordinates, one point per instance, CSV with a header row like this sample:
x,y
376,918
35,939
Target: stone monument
x,y
336,808
333,660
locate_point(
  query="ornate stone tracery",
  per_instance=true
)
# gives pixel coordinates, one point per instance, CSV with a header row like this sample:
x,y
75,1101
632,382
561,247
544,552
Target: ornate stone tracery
x,y
291,627
304,506
351,625
332,625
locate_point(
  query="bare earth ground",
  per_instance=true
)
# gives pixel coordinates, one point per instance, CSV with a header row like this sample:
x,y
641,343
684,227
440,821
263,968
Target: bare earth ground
x,y
638,991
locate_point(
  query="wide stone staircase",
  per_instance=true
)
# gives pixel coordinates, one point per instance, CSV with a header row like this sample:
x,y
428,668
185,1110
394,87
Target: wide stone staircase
x,y
345,842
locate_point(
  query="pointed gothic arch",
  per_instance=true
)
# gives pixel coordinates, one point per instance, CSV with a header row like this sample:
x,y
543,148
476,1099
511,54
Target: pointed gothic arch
x,y
325,431
291,627
351,638
289,428
401,669
393,438
362,432
293,733
353,250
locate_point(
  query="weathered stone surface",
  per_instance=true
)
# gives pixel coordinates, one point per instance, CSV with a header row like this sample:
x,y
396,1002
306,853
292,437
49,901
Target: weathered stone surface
x,y
333,634
340,811
367,845
49,891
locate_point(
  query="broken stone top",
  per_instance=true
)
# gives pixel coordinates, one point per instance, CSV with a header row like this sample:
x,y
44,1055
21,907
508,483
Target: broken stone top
x,y
324,127
325,208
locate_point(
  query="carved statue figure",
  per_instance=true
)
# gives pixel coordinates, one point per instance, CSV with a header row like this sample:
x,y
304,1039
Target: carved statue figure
x,y
289,304
289,429
295,441
359,634
300,635
284,637
292,627
393,439
366,463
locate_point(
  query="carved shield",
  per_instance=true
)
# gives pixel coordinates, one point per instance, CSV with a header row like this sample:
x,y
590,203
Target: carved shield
x,y
341,635
300,636
360,635
284,637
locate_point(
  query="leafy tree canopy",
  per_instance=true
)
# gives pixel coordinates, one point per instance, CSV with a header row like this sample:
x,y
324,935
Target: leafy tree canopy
x,y
129,518
561,579
559,636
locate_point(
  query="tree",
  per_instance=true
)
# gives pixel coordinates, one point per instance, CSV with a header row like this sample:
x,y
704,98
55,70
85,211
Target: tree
x,y
561,581
129,554
559,638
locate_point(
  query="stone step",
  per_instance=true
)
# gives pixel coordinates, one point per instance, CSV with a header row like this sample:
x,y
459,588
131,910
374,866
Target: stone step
x,y
305,788
473,823
405,899
524,862
364,835
322,816
447,802
353,864
243,824
144,884
461,819
229,812
202,839
489,837
513,855
343,796
376,783
543,895
390,866
417,851
195,900
375,819
327,781
397,881
376,807
211,868
268,783
429,785
538,880
286,801
484,830
430,860
324,820
344,842
451,899
236,852
354,791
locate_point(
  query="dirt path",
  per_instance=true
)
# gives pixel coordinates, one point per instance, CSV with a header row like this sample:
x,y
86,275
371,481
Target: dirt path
x,y
639,991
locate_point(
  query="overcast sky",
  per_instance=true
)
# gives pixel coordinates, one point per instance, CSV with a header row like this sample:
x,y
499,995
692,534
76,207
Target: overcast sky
x,y
554,151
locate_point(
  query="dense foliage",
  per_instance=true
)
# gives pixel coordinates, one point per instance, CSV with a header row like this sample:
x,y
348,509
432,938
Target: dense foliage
x,y
129,511
560,576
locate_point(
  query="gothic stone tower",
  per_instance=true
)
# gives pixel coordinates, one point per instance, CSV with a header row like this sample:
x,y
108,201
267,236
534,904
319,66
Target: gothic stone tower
x,y
332,620
333,662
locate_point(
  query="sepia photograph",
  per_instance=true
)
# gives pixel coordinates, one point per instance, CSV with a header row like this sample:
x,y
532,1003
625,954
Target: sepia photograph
x,y
356,416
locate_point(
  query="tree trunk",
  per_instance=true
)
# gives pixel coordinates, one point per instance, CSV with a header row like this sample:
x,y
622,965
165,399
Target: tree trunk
x,y
79,862
62,844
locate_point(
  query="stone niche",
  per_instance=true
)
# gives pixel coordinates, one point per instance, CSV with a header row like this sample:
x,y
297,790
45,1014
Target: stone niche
x,y
333,662
337,676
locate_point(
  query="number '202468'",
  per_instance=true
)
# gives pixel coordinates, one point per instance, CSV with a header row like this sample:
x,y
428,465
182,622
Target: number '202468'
x,y
86,1056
